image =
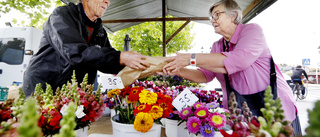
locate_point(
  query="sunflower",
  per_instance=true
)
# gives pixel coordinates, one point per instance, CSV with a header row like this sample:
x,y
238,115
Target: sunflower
x,y
148,97
143,122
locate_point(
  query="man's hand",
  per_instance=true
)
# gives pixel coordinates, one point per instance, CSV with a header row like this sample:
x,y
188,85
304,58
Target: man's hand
x,y
134,60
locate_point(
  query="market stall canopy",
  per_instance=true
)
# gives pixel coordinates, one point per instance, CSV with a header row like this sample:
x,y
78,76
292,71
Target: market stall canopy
x,y
125,13
122,14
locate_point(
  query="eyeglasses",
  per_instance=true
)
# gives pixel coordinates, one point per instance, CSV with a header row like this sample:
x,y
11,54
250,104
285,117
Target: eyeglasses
x,y
215,15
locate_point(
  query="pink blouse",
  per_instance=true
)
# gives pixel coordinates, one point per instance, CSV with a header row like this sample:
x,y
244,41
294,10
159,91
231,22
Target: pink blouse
x,y
248,66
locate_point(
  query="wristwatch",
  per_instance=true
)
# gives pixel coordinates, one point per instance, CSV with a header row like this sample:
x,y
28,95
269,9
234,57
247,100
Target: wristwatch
x,y
193,61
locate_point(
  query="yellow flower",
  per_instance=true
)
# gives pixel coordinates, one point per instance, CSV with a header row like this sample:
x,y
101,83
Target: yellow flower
x,y
148,97
113,92
143,122
156,112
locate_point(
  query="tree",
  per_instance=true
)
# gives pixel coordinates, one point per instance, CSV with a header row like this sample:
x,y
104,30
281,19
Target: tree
x,y
35,10
146,38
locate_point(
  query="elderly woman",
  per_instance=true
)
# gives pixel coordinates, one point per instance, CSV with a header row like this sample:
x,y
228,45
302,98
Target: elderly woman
x,y
74,39
240,60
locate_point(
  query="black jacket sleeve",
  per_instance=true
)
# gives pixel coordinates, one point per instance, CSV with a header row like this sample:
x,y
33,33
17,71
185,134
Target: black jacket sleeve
x,y
62,32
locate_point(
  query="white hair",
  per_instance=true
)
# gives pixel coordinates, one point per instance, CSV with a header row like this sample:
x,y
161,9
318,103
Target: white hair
x,y
231,8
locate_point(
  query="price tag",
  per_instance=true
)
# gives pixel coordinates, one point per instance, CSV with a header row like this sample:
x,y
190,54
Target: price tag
x,y
184,99
114,82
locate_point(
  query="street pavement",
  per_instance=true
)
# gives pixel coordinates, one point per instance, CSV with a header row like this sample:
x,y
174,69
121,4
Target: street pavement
x,y
307,103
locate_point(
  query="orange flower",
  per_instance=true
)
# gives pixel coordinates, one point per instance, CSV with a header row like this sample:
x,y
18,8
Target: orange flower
x,y
143,122
156,112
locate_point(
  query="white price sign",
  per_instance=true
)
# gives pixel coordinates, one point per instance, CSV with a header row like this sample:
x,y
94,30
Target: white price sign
x,y
114,82
184,99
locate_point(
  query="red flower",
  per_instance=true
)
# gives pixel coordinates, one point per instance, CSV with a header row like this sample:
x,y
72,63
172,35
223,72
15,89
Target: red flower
x,y
42,121
142,108
165,102
134,93
125,91
225,134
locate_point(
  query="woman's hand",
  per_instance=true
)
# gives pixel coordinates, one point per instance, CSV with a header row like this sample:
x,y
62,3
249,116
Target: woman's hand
x,y
134,60
176,63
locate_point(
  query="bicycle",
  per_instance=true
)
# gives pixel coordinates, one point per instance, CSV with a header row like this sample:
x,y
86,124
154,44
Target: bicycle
x,y
297,91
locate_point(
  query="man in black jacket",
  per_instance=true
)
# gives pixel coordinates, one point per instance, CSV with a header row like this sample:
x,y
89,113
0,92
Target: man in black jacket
x,y
74,39
296,77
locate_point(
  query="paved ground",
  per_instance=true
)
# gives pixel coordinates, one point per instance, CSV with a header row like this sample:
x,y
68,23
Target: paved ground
x,y
103,127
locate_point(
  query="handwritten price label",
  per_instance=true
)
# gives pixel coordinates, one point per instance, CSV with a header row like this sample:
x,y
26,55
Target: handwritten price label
x,y
114,82
184,99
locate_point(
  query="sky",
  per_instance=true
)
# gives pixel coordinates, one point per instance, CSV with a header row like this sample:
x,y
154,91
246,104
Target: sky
x,y
291,28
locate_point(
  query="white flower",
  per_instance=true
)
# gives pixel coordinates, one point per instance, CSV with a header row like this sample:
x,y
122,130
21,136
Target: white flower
x,y
79,112
219,110
64,109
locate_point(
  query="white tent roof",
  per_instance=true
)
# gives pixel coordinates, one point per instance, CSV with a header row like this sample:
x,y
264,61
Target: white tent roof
x,y
142,9
125,13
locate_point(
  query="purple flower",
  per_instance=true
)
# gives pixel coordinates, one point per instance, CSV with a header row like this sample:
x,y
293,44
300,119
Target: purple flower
x,y
185,113
207,131
212,105
193,124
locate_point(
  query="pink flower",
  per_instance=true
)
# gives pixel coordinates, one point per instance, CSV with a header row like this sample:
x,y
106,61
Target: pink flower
x,y
216,120
198,104
193,124
201,112
185,113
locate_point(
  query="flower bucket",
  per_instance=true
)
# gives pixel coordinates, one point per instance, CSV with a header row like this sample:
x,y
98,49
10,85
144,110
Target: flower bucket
x,y
217,134
173,130
82,132
127,130
112,113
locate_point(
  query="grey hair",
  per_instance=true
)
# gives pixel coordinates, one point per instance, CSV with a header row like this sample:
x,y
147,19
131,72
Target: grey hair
x,y
231,8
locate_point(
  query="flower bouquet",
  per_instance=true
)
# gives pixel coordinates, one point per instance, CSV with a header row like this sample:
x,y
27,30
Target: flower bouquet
x,y
140,107
204,118
53,107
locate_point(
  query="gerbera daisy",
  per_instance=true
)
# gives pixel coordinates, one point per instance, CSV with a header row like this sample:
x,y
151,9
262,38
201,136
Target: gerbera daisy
x,y
201,112
185,113
207,131
193,124
198,104
216,120
143,122
142,108
156,112
148,97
